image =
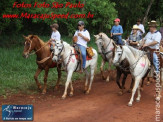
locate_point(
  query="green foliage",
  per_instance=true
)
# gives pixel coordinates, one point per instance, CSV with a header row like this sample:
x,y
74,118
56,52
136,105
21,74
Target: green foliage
x,y
103,11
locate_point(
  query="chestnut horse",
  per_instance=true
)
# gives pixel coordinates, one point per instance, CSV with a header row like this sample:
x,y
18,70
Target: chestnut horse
x,y
43,60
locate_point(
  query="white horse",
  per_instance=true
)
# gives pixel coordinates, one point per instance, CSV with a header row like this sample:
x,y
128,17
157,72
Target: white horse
x,y
65,54
105,47
139,66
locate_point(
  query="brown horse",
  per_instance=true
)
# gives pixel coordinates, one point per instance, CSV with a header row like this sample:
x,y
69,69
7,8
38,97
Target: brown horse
x,y
43,60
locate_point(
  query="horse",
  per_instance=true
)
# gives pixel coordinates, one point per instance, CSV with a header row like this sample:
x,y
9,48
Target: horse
x,y
66,55
139,65
43,59
105,49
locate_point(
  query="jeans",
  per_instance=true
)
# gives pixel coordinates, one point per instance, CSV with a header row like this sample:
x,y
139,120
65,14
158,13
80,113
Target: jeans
x,y
83,52
120,41
156,62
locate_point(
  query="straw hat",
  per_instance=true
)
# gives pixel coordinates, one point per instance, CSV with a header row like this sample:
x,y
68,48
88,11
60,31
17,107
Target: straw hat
x,y
135,27
152,24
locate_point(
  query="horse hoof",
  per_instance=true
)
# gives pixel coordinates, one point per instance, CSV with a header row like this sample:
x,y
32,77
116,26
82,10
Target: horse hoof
x,y
87,92
107,80
120,93
129,104
62,98
44,92
148,83
137,100
70,95
103,78
129,91
157,98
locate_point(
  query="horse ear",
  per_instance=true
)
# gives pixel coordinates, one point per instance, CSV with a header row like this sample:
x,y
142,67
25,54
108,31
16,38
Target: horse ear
x,y
24,36
95,36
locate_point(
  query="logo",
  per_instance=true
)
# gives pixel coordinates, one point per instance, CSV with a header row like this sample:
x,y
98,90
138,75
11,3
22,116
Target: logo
x,y
17,112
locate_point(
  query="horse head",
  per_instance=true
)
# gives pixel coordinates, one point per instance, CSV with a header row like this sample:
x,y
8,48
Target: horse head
x,y
58,51
117,55
31,42
103,42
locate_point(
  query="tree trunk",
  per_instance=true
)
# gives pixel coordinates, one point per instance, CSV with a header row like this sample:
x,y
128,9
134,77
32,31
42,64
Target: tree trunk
x,y
146,13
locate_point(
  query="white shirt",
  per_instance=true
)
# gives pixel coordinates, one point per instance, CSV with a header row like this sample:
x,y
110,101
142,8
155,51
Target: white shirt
x,y
80,40
56,36
150,37
141,26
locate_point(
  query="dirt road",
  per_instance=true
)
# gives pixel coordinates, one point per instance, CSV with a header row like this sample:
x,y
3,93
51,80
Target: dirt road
x,y
103,104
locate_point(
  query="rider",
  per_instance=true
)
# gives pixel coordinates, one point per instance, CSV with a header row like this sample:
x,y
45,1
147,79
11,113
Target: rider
x,y
83,37
55,35
117,31
141,30
152,40
134,38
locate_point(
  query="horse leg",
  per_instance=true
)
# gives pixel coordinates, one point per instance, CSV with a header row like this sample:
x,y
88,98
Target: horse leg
x,y
45,80
91,80
109,68
36,78
102,69
86,81
131,86
118,78
123,83
72,90
136,85
59,77
142,84
69,75
139,95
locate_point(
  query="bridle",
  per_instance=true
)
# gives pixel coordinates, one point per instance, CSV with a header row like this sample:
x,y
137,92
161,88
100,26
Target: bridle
x,y
103,49
131,67
30,45
61,59
59,56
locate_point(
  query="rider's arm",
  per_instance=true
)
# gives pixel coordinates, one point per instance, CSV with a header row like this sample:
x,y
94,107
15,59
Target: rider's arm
x,y
151,44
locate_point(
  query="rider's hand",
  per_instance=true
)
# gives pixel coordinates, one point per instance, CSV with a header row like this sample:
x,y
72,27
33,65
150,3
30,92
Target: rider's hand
x,y
52,40
145,45
79,34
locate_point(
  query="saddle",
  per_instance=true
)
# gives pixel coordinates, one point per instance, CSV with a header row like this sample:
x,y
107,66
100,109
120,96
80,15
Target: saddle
x,y
78,55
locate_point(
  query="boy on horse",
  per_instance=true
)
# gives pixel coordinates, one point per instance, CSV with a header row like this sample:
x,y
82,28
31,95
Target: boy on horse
x,y
83,37
117,31
134,38
152,40
55,35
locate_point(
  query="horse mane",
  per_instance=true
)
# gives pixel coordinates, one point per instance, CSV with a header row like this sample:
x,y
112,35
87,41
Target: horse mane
x,y
36,37
135,51
67,45
104,36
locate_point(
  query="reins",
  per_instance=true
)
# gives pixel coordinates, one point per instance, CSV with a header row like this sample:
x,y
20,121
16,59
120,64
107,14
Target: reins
x,y
43,60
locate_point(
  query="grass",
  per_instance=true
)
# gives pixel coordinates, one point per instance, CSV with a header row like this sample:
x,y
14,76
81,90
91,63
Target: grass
x,y
17,73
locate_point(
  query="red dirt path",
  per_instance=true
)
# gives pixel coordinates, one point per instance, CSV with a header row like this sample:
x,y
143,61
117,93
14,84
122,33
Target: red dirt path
x,y
103,104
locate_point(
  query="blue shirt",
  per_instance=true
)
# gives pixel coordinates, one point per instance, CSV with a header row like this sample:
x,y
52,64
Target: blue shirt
x,y
117,29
